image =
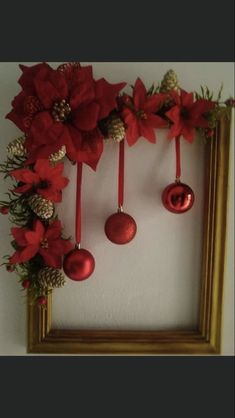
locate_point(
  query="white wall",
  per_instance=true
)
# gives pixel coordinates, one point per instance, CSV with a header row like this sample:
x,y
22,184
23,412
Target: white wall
x,y
122,293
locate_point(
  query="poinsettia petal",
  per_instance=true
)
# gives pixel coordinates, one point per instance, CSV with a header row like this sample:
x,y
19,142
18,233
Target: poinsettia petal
x,y
16,115
50,259
92,146
29,73
176,130
174,114
51,88
23,189
186,99
82,94
61,246
202,106
147,131
42,168
73,143
32,238
19,235
174,94
39,229
201,122
54,230
132,133
25,254
188,132
50,194
25,175
155,121
153,103
106,95
139,94
15,258
85,118
17,120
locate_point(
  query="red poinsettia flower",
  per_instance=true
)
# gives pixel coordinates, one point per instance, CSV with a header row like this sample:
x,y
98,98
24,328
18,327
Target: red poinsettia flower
x,y
46,180
188,114
40,240
139,114
63,107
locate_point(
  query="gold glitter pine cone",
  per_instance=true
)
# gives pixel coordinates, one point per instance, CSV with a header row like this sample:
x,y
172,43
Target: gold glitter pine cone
x,y
169,83
115,128
16,148
58,156
43,208
50,278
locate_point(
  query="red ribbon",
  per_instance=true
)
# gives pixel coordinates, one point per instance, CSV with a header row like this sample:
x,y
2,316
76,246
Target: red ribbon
x,y
78,203
121,173
177,153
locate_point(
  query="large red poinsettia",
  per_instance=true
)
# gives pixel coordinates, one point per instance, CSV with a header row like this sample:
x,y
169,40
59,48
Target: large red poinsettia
x,y
63,107
40,240
188,114
139,114
46,180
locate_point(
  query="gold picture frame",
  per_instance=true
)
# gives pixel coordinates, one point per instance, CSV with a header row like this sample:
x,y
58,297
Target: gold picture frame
x,y
206,339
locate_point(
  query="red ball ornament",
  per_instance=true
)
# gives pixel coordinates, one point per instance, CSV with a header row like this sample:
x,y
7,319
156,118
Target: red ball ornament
x,y
79,264
178,197
120,228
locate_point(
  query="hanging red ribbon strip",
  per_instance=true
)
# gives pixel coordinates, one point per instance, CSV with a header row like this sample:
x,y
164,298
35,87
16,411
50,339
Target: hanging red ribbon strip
x,y
121,173
78,204
177,152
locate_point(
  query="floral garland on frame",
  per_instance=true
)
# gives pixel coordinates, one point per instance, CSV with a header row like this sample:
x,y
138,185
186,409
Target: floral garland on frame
x,y
65,112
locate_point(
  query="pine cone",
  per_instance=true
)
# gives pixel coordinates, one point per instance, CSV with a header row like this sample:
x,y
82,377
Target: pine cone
x,y
57,156
50,278
42,207
169,83
115,128
16,147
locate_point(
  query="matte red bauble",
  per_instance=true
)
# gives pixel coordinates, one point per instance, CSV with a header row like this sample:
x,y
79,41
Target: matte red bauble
x,y
178,197
120,228
79,264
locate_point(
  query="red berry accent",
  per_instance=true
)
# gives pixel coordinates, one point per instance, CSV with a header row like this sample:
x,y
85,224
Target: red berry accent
x,y
4,210
26,283
42,300
230,102
209,133
10,268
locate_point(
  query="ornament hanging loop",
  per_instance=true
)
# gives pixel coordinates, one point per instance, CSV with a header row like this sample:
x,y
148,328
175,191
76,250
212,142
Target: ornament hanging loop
x,y
178,162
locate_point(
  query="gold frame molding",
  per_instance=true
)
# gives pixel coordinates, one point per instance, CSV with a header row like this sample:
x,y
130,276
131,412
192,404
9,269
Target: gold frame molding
x,y
42,338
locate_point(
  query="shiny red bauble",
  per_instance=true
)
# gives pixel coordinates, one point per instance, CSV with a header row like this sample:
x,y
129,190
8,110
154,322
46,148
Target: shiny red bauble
x,y
120,228
79,264
178,197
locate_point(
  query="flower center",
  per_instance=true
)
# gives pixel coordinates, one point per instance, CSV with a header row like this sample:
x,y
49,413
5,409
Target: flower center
x,y
184,113
44,243
141,114
61,111
44,184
